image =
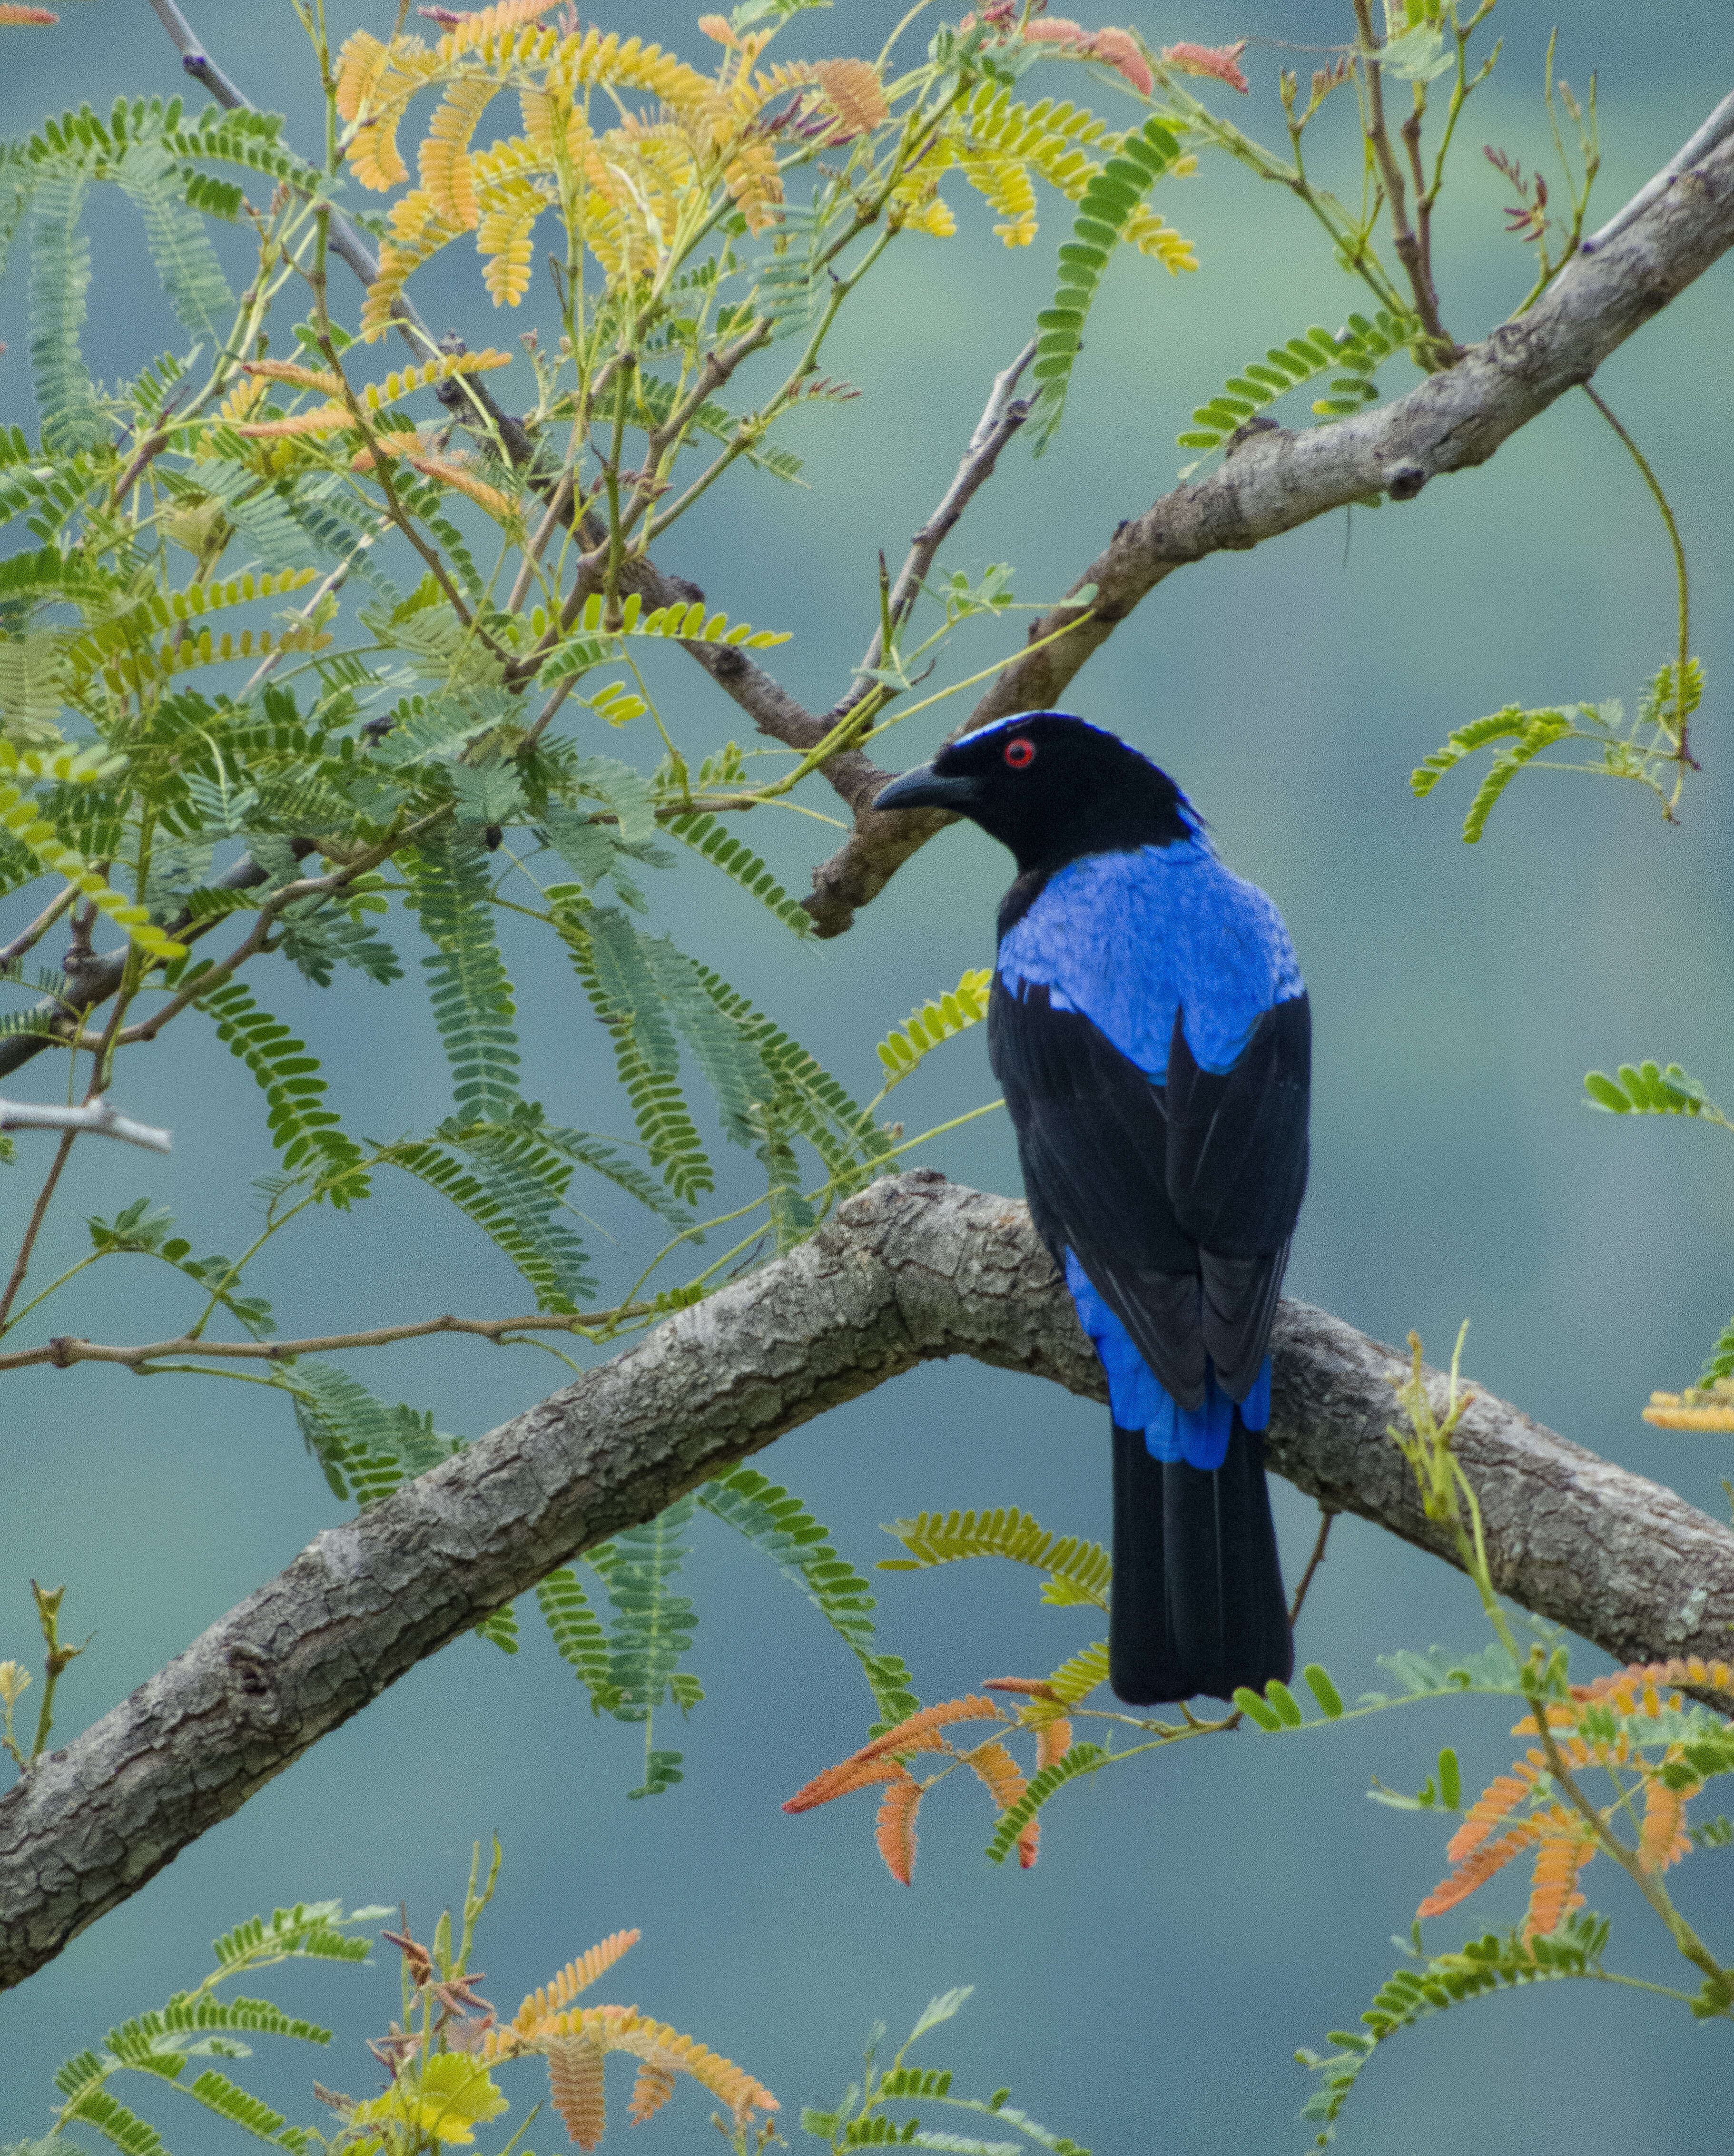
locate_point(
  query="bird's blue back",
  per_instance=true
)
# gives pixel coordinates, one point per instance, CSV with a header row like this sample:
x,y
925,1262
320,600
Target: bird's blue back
x,y
1128,937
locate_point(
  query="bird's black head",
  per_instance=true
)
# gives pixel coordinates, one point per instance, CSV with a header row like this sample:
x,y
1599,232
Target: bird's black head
x,y
1050,786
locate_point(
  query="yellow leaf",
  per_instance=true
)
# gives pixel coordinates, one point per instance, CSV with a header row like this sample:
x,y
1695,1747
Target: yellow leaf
x,y
450,2096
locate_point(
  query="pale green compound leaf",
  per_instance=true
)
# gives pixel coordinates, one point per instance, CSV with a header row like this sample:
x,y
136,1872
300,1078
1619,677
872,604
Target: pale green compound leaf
x,y
1103,211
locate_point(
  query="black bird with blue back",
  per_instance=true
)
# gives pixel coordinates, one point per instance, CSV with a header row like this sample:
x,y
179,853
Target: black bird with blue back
x,y
1150,1028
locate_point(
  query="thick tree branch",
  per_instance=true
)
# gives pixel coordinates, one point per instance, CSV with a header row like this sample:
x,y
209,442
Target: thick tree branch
x,y
913,1269
1273,481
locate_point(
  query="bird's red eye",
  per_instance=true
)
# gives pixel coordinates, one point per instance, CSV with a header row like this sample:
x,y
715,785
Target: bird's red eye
x,y
1020,752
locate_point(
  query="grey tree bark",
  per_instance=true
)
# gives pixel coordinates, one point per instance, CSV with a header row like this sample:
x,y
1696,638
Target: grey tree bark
x,y
1273,479
913,1269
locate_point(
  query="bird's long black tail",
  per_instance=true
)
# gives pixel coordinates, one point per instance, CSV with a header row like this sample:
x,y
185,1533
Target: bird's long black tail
x,y
1198,1604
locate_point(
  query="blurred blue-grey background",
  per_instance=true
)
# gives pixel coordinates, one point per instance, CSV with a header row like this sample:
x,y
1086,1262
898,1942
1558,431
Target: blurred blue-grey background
x,y
1192,1922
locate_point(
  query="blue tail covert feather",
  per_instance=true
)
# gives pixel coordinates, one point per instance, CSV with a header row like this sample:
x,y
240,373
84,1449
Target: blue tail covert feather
x,y
1197,1435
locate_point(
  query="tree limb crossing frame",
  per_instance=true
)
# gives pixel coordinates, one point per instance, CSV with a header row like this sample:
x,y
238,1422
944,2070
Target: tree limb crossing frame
x,y
1272,479
914,1269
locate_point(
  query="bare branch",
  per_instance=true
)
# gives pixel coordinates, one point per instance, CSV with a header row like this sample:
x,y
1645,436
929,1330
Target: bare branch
x,y
912,1270
95,1115
1274,480
1002,416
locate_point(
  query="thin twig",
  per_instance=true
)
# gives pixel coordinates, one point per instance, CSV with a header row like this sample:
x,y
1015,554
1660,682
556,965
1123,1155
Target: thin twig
x,y
1002,416
27,938
63,1351
95,1115
34,1227
1379,139
1682,586
1326,1517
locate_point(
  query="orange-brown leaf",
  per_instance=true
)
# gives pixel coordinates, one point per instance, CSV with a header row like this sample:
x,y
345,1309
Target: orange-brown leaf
x,y
1664,1839
1054,1740
11,13
497,505
575,2065
1495,1804
919,1733
1031,1688
901,1738
472,28
853,1774
624,2029
444,161
577,1976
1553,1892
1475,1870
651,2091
895,1830
855,95
327,419
999,1773
1222,61
285,370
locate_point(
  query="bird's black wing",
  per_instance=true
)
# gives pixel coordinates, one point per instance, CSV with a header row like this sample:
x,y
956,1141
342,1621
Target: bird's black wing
x,y
1093,1140
1178,1201
1235,1173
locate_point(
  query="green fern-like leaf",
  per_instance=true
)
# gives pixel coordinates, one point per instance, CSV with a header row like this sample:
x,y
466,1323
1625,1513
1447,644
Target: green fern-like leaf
x,y
470,992
1081,1674
1081,1759
115,2123
690,623
926,1027
663,1122
260,512
646,1059
514,1187
1499,726
1105,209
1357,349
1434,1985
1530,732
628,983
1647,1089
316,938
303,1132
732,1066
218,2093
66,397
800,1547
578,1636
198,2012
501,1630
309,1932
707,835
810,1101
652,1626
1721,1362
185,262
1078,1571
366,1449
602,1159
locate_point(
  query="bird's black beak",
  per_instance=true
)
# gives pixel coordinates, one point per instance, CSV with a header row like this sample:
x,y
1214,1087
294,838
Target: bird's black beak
x,y
924,787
